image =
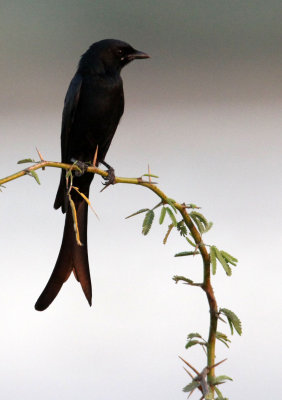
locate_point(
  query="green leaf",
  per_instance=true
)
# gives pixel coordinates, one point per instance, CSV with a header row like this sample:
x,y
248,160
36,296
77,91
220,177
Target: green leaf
x,y
138,212
154,176
219,394
230,259
162,216
172,217
186,253
199,216
181,227
222,261
233,320
209,226
177,278
216,380
193,385
222,338
190,242
35,176
209,396
202,223
213,259
147,223
171,203
168,232
199,224
191,205
26,160
193,335
191,343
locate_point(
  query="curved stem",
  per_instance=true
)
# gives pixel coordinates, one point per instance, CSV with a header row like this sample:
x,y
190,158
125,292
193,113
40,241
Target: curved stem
x,y
205,285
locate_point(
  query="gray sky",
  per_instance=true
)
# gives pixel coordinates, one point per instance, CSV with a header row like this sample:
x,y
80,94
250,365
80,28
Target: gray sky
x,y
205,112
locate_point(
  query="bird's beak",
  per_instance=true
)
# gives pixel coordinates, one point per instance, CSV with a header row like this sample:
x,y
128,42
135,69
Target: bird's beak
x,y
137,55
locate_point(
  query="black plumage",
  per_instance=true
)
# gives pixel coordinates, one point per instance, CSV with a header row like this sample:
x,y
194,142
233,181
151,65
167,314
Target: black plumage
x,y
94,104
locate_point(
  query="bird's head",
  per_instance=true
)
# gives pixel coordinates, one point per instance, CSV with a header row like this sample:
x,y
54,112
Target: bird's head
x,y
110,55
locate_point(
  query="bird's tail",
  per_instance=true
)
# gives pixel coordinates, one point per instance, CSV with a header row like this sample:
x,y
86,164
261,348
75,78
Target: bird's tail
x,y
72,257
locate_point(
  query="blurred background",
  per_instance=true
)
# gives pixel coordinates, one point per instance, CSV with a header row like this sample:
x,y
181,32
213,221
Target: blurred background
x,y
205,113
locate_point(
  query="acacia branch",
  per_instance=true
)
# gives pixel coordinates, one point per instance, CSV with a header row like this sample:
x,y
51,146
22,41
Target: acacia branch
x,y
182,208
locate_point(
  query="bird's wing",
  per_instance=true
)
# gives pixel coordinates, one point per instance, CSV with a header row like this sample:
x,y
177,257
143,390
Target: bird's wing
x,y
70,106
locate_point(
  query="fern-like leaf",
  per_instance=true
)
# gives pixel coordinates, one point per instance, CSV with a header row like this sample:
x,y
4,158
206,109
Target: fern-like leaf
x,y
189,388
193,343
181,227
191,205
213,259
222,261
171,203
199,224
172,217
217,380
147,223
230,259
209,226
219,394
193,335
168,233
151,175
162,216
186,253
35,176
196,214
190,241
233,320
222,338
201,221
177,278
26,160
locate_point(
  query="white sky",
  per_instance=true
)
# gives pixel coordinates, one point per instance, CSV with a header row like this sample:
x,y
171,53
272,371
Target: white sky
x,y
213,135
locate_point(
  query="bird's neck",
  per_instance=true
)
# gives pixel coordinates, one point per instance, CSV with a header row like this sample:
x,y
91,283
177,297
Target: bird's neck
x,y
94,66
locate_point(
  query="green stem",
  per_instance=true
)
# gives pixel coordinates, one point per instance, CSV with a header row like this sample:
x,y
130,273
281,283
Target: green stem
x,y
206,284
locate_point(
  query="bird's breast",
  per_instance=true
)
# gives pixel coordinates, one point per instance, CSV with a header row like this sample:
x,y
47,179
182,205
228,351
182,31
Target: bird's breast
x,y
99,110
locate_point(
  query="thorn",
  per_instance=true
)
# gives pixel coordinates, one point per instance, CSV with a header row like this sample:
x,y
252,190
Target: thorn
x,y
190,394
149,172
105,187
95,157
86,199
189,365
196,249
41,158
219,317
215,365
188,372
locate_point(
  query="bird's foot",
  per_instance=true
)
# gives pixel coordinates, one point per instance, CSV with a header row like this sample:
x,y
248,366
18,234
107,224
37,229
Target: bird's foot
x,y
111,178
81,165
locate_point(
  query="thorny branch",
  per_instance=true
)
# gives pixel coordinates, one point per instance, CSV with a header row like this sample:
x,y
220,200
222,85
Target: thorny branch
x,y
182,208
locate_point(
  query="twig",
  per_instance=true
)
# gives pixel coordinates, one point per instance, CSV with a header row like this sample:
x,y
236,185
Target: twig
x,y
182,208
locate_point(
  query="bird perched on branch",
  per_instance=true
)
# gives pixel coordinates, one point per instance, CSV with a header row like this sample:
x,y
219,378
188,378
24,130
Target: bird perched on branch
x,y
94,104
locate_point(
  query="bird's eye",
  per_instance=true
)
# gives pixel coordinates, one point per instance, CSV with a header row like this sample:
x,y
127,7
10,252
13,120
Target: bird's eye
x,y
120,51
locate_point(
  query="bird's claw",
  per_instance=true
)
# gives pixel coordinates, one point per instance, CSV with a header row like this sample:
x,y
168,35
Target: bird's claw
x,y
82,166
110,178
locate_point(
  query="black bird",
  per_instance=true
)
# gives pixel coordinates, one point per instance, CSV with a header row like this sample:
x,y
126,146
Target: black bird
x,y
94,104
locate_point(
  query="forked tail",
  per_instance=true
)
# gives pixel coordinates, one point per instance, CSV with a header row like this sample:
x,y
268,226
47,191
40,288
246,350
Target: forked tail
x,y
72,257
